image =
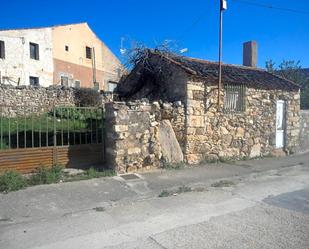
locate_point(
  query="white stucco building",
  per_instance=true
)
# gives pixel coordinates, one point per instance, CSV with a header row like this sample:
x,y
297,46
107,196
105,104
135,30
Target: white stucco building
x,y
69,55
17,67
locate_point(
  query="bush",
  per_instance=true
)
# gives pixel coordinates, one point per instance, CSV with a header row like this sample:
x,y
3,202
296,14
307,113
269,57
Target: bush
x,y
12,181
87,97
45,175
171,166
93,173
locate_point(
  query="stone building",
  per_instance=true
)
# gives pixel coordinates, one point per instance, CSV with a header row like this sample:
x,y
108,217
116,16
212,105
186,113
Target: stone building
x,y
70,55
256,112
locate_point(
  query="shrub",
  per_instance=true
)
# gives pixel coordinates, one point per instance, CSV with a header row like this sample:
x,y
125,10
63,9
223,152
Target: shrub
x,y
222,183
93,173
165,193
12,181
170,166
3,145
45,175
87,97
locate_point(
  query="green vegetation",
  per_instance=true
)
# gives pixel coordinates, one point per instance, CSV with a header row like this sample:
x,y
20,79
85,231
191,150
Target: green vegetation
x,y
89,174
218,160
180,190
222,183
165,193
99,209
13,181
45,175
36,130
293,71
173,166
88,97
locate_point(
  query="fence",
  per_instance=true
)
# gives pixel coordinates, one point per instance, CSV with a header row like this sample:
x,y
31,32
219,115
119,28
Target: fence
x,y
42,136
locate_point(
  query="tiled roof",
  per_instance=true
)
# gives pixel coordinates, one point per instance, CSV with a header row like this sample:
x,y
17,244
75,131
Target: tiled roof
x,y
231,74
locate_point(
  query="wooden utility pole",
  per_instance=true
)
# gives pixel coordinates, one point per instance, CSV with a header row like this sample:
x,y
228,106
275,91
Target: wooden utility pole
x,y
223,6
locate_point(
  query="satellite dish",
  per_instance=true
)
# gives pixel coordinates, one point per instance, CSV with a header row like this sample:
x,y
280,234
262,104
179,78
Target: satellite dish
x,y
184,50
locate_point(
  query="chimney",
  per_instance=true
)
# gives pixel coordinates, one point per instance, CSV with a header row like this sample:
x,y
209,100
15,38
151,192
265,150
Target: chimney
x,y
250,54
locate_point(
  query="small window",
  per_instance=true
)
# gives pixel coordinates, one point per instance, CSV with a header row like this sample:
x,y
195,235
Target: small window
x,y
77,84
2,50
64,81
34,51
66,48
234,98
34,81
88,53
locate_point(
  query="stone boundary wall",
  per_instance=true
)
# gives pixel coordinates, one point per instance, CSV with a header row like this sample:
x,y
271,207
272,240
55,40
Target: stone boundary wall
x,y
132,133
304,131
12,98
15,99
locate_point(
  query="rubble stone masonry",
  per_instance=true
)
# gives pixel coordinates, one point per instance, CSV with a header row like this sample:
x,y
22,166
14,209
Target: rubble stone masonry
x,y
304,131
132,133
213,134
14,99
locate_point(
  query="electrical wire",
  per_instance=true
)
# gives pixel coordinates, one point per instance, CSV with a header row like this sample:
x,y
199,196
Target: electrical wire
x,y
269,6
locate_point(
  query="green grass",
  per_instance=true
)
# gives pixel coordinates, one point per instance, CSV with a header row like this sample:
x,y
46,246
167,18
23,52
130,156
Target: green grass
x,y
13,181
165,193
89,174
222,183
99,209
45,175
173,166
3,145
180,190
43,125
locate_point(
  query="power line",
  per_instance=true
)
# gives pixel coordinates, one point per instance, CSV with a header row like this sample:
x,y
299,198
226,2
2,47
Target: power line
x,y
191,26
269,6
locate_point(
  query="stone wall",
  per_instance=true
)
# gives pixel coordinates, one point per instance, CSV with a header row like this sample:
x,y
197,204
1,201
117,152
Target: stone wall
x,y
14,99
132,133
304,131
212,133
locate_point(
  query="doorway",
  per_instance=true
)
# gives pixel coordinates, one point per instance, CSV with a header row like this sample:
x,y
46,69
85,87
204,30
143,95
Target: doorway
x,y
280,124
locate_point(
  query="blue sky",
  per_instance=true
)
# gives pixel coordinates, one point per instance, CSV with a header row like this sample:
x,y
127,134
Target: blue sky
x,y
280,34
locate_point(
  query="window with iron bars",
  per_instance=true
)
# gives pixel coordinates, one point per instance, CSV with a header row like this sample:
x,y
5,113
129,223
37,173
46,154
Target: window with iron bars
x,y
234,98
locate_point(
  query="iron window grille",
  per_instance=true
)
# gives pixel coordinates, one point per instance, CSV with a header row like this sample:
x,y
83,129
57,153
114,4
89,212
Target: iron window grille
x,y
234,98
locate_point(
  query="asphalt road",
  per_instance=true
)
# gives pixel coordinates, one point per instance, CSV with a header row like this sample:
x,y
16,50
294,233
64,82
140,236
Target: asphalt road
x,y
261,209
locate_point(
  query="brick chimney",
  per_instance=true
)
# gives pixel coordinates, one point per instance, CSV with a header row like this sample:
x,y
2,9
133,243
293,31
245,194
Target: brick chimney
x,y
250,54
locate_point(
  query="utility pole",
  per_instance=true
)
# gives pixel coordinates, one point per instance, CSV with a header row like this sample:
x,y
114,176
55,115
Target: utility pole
x,y
223,7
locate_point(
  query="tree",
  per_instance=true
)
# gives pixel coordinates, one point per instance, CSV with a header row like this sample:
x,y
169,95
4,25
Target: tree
x,y
292,70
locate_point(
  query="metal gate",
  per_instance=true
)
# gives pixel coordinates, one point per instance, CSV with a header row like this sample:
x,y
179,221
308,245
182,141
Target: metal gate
x,y
32,137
